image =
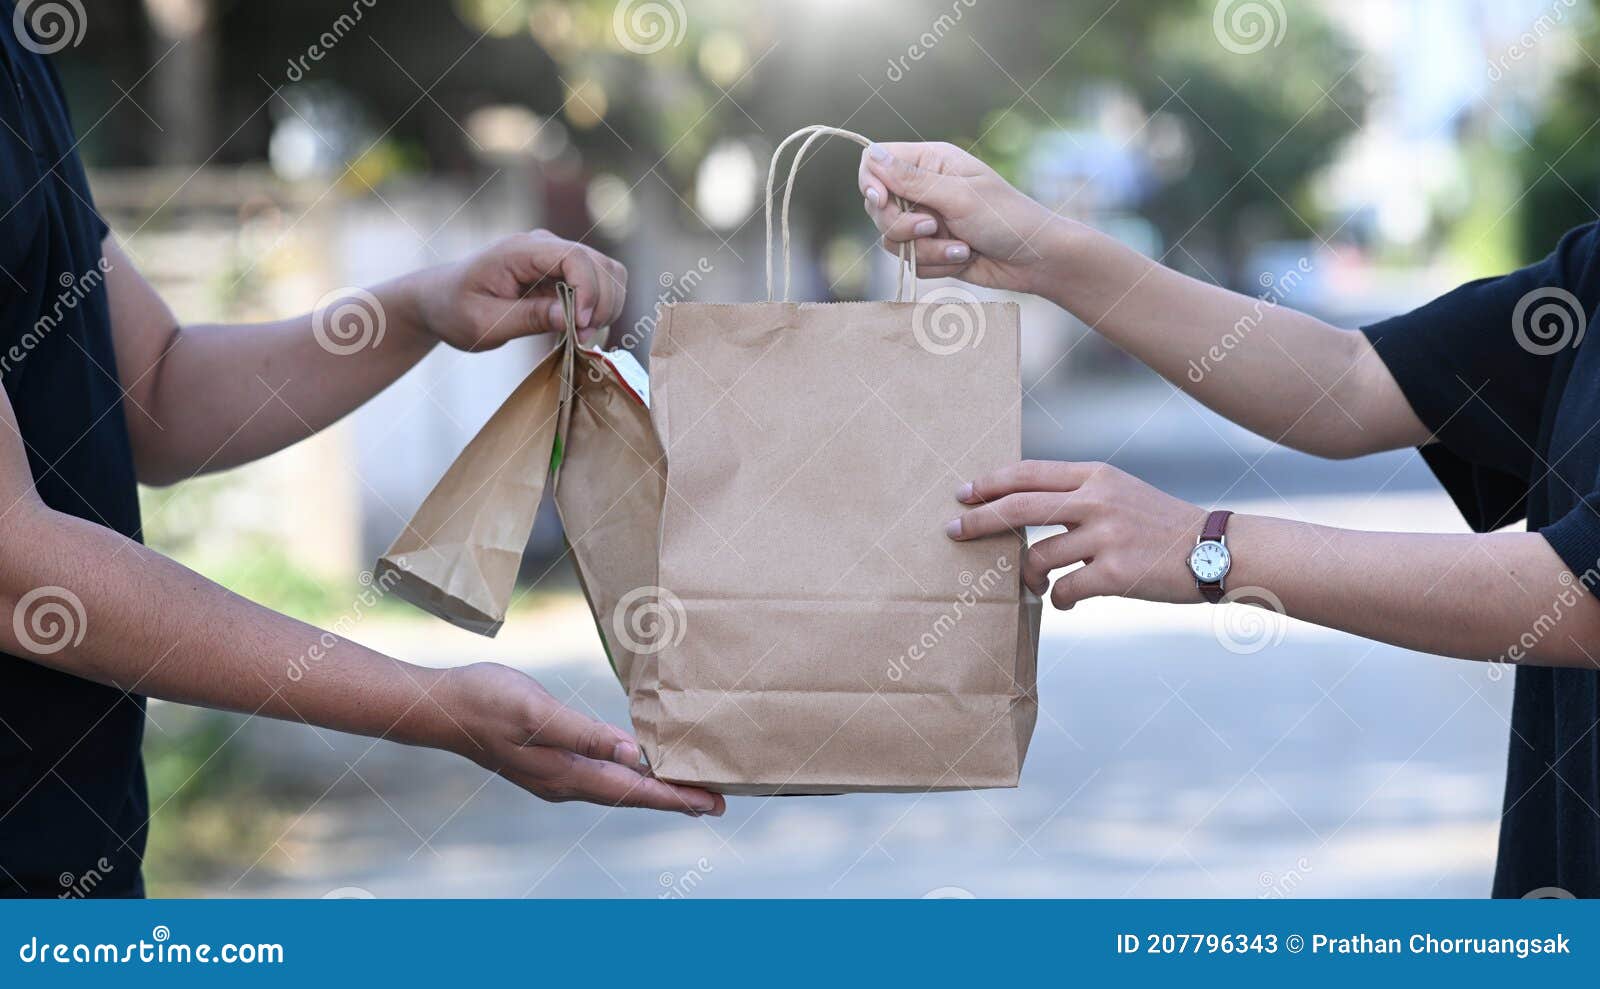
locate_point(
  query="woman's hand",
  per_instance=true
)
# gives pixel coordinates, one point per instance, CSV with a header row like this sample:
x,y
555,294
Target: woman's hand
x,y
1132,539
508,290
515,728
966,220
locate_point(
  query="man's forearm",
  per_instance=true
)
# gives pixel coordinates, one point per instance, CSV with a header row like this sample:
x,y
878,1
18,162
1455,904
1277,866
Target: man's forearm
x,y
1283,374
1501,596
150,626
226,395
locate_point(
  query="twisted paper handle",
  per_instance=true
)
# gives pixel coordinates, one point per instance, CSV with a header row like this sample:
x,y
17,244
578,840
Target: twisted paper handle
x,y
908,252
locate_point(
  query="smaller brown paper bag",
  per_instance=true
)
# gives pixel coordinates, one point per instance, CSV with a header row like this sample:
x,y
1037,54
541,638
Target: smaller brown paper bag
x,y
581,421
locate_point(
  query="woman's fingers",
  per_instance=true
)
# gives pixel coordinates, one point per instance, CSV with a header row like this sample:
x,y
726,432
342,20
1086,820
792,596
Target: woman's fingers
x,y
910,172
1079,585
910,226
1030,475
1051,554
872,191
934,252
1015,512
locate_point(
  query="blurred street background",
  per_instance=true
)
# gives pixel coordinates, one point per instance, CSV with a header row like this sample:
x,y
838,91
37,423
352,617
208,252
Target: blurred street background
x,y
1347,157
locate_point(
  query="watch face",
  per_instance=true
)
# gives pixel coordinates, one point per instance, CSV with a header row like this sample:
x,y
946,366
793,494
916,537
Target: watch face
x,y
1209,561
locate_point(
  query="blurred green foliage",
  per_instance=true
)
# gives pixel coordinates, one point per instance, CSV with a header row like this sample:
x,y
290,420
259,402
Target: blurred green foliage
x,y
209,811
1259,125
1560,164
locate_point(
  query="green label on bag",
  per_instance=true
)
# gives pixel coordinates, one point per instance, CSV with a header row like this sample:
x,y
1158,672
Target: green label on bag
x,y
555,453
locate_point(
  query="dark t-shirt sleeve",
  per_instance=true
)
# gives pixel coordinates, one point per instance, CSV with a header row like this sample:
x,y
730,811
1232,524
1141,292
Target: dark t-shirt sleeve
x,y
1477,366
1576,537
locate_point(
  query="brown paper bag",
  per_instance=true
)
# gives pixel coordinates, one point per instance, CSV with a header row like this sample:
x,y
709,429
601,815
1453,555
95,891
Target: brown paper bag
x,y
776,593
581,417
833,639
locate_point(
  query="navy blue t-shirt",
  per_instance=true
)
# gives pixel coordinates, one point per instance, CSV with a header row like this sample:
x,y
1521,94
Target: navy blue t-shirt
x,y
1506,373
73,809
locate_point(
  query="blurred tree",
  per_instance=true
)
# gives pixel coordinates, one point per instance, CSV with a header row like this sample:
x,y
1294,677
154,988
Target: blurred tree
x,y
1560,166
1256,125
650,88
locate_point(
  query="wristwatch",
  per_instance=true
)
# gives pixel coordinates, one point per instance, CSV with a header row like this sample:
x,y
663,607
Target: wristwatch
x,y
1210,560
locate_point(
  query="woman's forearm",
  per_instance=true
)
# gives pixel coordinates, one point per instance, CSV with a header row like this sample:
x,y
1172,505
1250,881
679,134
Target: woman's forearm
x,y
1500,596
1281,373
1497,597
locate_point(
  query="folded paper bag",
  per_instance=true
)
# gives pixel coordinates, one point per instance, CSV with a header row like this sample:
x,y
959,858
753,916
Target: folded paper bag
x,y
767,567
581,420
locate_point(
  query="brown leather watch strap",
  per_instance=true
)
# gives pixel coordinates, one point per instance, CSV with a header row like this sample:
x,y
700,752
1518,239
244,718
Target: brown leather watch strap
x,y
1215,531
1216,527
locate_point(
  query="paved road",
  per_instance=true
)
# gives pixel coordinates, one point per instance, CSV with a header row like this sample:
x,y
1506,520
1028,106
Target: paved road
x,y
1165,765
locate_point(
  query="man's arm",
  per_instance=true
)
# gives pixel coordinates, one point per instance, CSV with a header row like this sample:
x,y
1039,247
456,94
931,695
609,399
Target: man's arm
x,y
1502,596
87,601
204,398
1283,374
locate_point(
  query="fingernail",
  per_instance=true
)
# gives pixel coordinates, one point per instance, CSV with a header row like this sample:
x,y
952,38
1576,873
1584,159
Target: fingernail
x,y
584,315
956,252
872,198
952,528
626,753
924,228
705,805
964,493
878,152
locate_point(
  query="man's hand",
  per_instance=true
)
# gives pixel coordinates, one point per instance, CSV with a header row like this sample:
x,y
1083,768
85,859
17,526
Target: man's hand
x,y
508,290
515,728
1132,539
966,220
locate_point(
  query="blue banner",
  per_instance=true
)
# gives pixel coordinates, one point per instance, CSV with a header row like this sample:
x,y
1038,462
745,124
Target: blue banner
x,y
180,942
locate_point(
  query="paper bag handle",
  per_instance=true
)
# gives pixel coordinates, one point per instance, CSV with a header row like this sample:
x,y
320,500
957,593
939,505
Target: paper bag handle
x,y
908,251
